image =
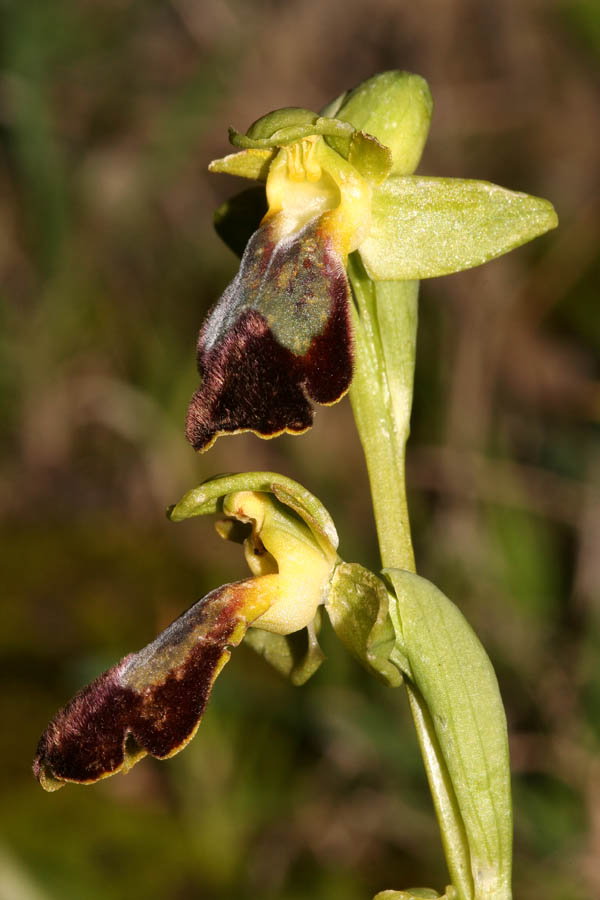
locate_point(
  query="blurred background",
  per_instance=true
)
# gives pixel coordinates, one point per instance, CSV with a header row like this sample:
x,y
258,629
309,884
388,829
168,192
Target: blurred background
x,y
110,111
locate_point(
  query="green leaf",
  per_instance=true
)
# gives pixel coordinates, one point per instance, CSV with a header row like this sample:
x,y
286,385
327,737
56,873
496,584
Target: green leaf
x,y
357,605
246,164
297,656
456,679
237,219
424,227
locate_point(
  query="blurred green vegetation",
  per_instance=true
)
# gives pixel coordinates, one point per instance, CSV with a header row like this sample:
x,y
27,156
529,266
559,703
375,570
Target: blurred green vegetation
x,y
110,112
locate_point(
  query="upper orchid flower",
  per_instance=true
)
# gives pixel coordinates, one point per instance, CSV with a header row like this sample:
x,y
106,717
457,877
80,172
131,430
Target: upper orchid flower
x,y
335,183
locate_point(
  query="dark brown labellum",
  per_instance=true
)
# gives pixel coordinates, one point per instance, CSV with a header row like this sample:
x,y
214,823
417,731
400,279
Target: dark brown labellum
x,y
152,701
278,338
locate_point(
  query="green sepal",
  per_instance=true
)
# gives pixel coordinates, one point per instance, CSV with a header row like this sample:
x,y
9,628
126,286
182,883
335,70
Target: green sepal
x,y
280,119
297,656
237,219
269,131
208,498
358,606
395,107
422,227
246,164
309,509
452,671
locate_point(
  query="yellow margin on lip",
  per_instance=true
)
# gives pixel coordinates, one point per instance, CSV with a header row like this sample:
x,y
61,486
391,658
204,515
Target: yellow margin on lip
x,y
267,437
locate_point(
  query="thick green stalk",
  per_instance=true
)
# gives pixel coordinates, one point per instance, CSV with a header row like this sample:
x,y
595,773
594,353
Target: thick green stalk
x,y
381,397
385,324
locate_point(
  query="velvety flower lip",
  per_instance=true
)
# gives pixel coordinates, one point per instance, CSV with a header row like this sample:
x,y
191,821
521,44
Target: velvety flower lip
x,y
152,701
279,337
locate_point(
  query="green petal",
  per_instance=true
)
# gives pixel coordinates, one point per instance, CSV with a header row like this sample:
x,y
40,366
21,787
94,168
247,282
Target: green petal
x,y
371,158
423,227
246,164
456,679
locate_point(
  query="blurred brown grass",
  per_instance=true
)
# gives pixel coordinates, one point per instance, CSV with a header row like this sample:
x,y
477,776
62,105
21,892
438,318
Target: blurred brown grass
x,y
110,112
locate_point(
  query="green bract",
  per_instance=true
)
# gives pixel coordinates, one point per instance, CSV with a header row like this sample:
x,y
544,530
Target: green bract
x,y
452,673
414,632
358,607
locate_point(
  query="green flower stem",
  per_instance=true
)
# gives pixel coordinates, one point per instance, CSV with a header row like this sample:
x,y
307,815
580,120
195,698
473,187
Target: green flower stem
x,y
381,397
454,838
385,325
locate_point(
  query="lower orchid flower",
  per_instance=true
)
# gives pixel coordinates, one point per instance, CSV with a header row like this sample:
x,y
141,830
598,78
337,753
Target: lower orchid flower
x,y
151,702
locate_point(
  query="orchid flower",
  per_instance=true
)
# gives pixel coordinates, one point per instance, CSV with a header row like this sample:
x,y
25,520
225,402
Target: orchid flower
x,y
151,702
335,184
